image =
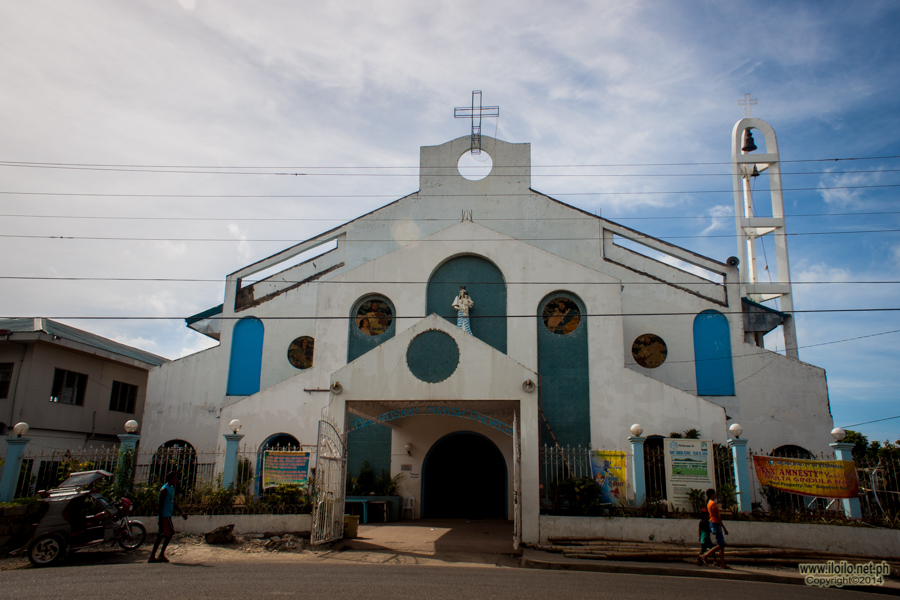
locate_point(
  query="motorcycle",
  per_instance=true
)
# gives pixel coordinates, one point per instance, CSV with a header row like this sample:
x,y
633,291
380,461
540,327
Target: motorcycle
x,y
78,518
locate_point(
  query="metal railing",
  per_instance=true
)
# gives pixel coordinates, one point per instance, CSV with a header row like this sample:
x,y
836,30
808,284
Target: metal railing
x,y
199,487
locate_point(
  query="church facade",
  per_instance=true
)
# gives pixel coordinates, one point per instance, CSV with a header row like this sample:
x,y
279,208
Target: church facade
x,y
453,332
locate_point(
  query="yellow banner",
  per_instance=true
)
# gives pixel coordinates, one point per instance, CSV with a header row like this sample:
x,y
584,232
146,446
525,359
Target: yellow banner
x,y
608,469
821,478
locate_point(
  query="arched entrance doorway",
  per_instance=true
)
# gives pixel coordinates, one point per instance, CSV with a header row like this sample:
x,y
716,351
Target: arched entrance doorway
x,y
464,477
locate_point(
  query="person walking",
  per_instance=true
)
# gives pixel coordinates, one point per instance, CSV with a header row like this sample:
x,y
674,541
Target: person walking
x,y
705,535
717,528
167,508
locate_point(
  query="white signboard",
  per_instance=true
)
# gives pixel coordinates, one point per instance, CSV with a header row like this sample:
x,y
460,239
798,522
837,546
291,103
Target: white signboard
x,y
689,464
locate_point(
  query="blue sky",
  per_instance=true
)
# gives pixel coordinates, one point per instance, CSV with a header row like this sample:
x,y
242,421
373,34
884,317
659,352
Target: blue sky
x,y
328,84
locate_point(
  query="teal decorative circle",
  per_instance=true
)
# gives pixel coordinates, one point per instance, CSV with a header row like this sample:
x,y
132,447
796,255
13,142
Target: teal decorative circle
x,y
432,356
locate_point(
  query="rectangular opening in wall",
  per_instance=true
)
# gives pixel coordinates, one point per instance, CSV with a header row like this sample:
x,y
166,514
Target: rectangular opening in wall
x,y
6,370
668,259
68,387
301,258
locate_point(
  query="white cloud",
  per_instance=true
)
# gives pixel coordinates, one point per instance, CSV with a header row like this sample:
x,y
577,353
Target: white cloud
x,y
243,248
849,192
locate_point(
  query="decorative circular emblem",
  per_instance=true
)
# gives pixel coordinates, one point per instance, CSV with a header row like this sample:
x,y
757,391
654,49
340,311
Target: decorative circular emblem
x,y
300,352
374,317
561,316
432,356
649,350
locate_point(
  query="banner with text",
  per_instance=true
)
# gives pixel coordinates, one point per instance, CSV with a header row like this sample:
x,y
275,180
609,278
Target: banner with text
x,y
608,469
689,465
285,468
821,478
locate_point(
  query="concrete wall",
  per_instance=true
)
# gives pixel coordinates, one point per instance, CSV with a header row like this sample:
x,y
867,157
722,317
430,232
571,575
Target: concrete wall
x,y
877,543
200,524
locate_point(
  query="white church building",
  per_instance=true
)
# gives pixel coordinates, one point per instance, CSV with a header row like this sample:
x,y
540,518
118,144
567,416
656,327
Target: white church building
x,y
577,328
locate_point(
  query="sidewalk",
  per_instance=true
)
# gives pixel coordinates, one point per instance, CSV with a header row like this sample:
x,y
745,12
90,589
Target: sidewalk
x,y
538,559
449,541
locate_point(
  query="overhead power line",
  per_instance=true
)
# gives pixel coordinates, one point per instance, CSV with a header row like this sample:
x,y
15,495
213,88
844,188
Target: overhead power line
x,y
867,422
420,317
311,171
425,195
681,164
382,282
426,219
295,241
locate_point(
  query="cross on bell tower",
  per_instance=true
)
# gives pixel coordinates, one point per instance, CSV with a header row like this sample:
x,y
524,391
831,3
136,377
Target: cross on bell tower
x,y
476,112
747,102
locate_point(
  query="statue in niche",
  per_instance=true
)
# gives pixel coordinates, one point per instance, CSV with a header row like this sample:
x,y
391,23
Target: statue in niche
x,y
463,304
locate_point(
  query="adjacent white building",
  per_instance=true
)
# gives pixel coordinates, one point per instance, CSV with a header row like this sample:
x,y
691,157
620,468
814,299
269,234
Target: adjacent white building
x,y
591,324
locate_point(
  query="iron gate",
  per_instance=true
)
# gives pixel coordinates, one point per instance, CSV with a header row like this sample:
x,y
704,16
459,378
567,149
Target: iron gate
x,y
331,474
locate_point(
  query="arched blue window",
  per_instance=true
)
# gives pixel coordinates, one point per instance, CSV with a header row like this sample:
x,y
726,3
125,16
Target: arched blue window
x,y
564,369
712,354
246,357
486,287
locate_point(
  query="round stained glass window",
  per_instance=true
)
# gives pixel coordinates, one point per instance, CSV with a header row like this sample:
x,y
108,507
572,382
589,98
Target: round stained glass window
x,y
561,316
300,352
374,316
649,350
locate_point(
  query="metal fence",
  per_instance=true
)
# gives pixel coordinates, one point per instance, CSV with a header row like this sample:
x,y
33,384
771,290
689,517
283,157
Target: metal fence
x,y
879,480
879,487
199,477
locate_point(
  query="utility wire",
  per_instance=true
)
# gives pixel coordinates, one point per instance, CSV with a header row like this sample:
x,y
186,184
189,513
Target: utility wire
x,y
295,240
332,281
867,422
428,219
133,166
474,169
420,317
425,195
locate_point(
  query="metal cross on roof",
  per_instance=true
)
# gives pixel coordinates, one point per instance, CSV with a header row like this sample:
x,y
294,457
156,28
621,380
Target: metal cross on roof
x,y
747,102
476,112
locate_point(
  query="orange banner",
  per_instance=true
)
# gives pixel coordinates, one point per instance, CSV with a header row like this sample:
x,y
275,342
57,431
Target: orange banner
x,y
821,478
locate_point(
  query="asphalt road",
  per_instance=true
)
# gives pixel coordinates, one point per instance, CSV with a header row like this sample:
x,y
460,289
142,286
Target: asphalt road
x,y
250,580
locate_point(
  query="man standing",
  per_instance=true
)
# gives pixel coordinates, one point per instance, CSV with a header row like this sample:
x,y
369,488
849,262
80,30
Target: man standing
x,y
717,528
167,508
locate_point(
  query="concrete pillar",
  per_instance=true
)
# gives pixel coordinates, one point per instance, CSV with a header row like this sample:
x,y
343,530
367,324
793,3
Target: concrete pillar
x,y
10,477
741,473
842,451
637,469
232,442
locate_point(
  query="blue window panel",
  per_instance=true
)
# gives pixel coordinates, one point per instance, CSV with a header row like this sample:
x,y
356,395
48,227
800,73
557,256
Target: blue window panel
x,y
246,357
486,287
565,379
712,354
371,443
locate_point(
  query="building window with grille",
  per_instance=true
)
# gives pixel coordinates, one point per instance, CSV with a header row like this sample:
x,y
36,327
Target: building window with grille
x,y
68,387
6,370
123,397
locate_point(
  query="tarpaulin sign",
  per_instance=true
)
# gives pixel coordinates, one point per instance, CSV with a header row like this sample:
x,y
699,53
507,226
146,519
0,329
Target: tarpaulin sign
x,y
820,478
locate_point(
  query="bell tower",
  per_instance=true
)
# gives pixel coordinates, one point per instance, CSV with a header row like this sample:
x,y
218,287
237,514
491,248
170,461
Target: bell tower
x,y
746,166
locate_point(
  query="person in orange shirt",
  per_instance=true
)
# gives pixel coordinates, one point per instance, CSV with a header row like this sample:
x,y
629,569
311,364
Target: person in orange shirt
x,y
717,528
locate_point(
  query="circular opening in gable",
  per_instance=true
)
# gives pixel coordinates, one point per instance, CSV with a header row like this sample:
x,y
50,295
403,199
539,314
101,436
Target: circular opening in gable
x,y
475,167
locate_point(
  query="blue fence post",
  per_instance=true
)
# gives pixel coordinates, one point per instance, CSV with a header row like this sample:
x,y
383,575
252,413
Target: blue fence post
x,y
10,477
844,451
741,473
232,442
637,469
125,469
